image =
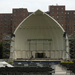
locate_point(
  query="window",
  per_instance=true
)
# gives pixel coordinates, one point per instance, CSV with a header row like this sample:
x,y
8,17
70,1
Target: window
x,y
4,26
24,10
14,26
5,19
62,8
57,12
68,24
57,16
62,24
67,16
74,12
1,15
57,8
53,12
14,22
53,16
4,29
58,20
67,12
4,15
62,12
52,8
62,16
14,14
67,20
5,23
62,20
1,26
17,10
24,14
1,19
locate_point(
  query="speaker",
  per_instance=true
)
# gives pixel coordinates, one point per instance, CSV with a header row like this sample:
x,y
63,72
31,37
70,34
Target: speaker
x,y
12,35
64,35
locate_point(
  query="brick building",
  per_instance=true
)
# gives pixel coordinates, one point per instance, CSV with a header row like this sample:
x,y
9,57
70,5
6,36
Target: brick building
x,y
9,22
18,16
66,18
5,24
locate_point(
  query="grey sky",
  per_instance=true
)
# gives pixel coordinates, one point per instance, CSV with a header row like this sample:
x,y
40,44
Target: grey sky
x,y
6,6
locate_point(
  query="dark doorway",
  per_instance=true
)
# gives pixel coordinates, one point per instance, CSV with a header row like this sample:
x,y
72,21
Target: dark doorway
x,y
40,55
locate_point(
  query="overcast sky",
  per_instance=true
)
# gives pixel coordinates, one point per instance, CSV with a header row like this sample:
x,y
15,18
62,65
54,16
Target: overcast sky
x,y
6,6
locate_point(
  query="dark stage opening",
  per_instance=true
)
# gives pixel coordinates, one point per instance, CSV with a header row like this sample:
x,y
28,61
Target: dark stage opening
x,y
40,55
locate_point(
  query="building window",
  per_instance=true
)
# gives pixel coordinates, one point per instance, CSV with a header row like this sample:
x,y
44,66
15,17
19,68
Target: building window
x,y
57,8
52,12
62,16
67,20
57,12
67,16
62,8
1,19
17,10
62,24
62,20
1,26
57,16
4,26
24,10
62,12
24,14
14,22
5,19
74,12
4,15
11,15
57,20
4,29
52,8
14,14
53,16
68,24
5,23
67,12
